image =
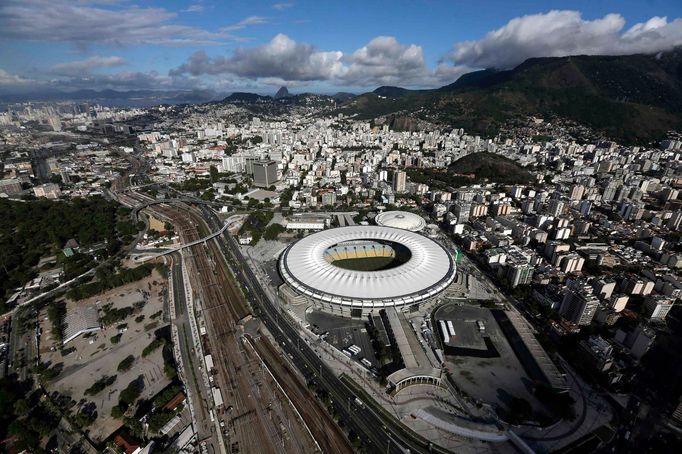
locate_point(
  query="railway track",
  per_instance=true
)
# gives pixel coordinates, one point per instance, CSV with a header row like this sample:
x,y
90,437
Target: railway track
x,y
317,419
253,423
220,321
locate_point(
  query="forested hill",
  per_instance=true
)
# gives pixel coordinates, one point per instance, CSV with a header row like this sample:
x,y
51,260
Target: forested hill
x,y
632,98
474,168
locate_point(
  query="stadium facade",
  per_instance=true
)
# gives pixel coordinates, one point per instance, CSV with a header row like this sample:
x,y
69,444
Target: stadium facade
x,y
361,269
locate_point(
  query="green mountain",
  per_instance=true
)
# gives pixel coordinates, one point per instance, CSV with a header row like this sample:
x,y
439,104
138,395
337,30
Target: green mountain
x,y
392,92
633,98
493,167
246,98
481,167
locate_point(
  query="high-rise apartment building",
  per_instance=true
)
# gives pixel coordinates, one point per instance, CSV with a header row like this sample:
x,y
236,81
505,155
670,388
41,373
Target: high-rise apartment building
x,y
264,173
399,181
579,304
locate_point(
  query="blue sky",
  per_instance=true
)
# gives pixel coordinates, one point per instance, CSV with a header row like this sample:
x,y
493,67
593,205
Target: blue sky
x,y
319,45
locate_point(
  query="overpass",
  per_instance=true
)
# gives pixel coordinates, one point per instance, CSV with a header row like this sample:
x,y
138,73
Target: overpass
x,y
193,243
142,206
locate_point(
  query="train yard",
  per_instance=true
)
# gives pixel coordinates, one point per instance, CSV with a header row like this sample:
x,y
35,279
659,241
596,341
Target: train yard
x,y
266,405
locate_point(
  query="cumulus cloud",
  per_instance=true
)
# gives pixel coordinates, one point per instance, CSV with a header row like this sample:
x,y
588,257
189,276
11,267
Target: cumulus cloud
x,y
281,58
129,80
87,22
562,33
383,61
82,67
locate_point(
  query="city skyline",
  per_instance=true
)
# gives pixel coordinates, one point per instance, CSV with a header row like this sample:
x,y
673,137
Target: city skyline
x,y
304,45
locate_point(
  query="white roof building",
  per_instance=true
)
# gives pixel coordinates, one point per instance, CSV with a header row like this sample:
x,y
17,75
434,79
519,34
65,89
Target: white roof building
x,y
401,220
79,321
425,268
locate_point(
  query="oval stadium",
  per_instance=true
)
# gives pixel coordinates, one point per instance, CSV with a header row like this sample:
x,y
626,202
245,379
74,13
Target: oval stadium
x,y
401,220
366,268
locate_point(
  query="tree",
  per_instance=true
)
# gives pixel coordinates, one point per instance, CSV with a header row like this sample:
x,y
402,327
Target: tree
x,y
208,195
159,419
170,371
100,384
134,427
117,412
30,230
273,231
130,394
86,415
149,349
27,439
21,407
126,363
215,175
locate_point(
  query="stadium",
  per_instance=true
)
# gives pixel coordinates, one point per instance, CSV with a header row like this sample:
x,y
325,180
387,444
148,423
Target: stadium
x,y
356,270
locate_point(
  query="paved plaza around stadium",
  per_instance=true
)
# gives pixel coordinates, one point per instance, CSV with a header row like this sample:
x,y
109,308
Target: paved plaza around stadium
x,y
495,379
343,332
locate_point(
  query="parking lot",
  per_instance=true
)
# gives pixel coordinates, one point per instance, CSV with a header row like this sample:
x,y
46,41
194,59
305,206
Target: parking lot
x,y
343,332
484,365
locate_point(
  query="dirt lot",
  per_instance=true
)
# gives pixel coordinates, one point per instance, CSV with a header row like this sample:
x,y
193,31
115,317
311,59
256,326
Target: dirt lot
x,y
90,357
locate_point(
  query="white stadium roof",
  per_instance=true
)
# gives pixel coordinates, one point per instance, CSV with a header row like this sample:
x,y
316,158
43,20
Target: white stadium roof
x,y
401,220
428,271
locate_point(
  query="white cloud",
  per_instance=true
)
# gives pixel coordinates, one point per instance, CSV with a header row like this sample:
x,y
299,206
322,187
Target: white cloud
x,y
124,80
84,67
251,20
282,6
383,61
87,22
562,33
281,58
7,79
194,8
